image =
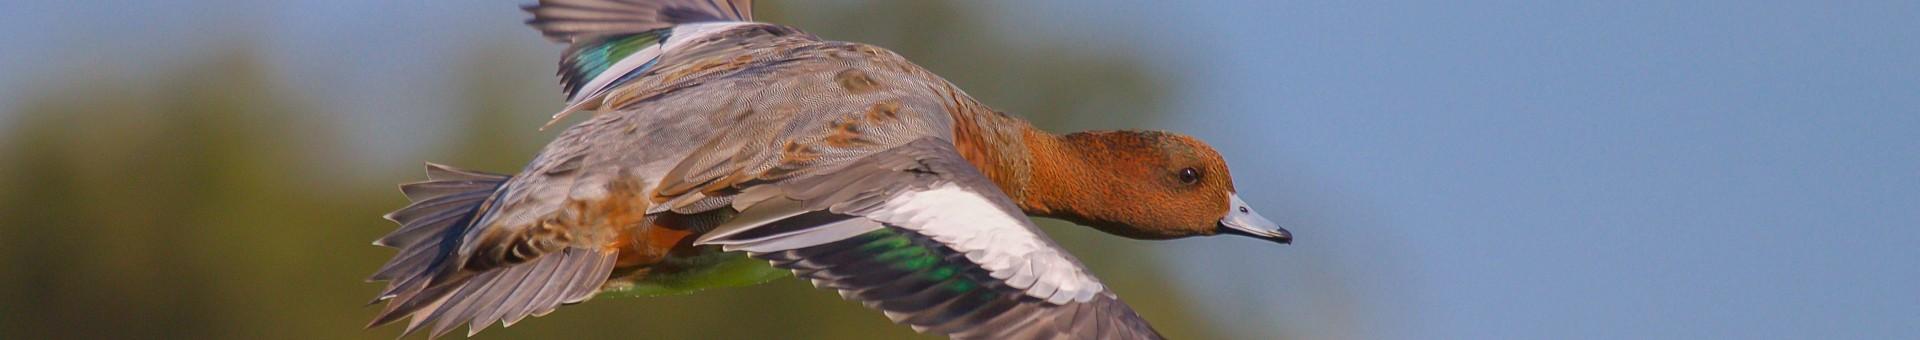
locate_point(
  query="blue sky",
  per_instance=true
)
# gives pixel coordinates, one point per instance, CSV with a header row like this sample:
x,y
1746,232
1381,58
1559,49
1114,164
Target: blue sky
x,y
1590,169
1464,170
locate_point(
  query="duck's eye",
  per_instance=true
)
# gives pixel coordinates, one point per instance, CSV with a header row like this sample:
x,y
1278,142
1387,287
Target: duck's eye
x,y
1189,176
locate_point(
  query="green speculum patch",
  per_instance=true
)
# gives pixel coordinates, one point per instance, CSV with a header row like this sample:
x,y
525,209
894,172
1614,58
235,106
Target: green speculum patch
x,y
590,59
924,259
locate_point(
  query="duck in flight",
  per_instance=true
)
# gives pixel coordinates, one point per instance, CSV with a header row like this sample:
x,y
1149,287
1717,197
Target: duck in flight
x,y
717,137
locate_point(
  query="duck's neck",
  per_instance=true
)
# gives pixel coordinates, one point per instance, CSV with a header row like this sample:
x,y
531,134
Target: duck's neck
x,y
1064,181
1046,174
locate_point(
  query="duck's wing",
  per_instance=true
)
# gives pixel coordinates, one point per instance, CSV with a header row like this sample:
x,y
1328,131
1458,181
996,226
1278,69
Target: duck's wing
x,y
916,232
611,42
571,21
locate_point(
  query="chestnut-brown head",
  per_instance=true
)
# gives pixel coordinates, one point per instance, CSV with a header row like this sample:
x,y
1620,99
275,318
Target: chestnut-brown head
x,y
1149,185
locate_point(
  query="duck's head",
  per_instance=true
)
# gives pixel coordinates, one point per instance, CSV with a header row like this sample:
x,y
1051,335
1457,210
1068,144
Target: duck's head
x,y
1151,185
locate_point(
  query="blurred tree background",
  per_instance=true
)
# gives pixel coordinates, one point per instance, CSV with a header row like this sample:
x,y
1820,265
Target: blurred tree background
x,y
1458,170
213,201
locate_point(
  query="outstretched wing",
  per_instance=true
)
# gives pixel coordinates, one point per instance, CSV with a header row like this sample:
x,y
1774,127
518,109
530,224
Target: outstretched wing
x,y
916,232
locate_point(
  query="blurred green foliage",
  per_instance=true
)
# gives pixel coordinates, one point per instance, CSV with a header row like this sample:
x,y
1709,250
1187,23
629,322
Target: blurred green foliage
x,y
208,202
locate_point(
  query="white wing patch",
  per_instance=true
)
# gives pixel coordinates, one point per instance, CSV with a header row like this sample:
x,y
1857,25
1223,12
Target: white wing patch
x,y
1006,246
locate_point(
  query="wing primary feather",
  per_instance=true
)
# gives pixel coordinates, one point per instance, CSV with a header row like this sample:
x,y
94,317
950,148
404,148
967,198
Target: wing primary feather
x,y
586,288
445,317
542,284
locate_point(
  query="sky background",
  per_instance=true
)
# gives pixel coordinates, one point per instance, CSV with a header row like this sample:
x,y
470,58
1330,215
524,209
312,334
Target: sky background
x,y
1461,170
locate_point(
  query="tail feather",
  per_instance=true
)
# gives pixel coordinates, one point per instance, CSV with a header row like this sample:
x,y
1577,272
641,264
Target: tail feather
x,y
421,191
421,229
455,197
439,172
405,262
444,207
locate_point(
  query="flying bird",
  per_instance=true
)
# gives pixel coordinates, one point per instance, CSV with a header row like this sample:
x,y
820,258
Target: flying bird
x,y
716,137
